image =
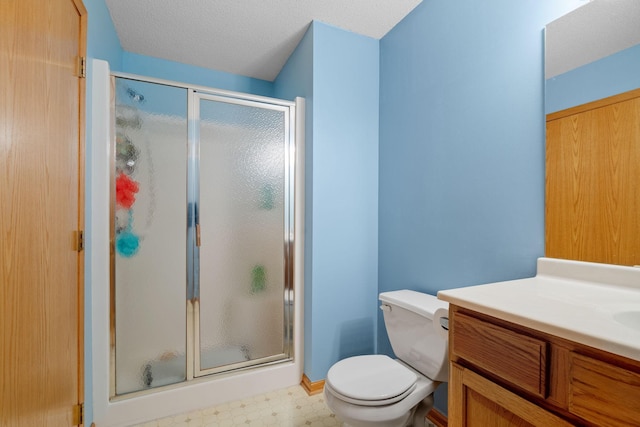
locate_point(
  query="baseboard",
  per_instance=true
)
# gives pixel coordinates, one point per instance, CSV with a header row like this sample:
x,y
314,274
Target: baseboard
x,y
311,387
437,418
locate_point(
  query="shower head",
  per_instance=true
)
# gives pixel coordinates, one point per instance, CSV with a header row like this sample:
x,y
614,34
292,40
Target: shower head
x,y
135,96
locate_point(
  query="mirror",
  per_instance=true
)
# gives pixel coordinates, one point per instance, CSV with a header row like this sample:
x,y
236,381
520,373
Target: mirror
x,y
591,53
592,161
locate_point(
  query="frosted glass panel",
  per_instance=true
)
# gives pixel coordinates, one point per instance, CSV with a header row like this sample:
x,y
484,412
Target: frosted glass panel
x,y
242,210
150,234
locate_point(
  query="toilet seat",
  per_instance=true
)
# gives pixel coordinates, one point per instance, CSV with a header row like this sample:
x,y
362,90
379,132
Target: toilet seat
x,y
371,380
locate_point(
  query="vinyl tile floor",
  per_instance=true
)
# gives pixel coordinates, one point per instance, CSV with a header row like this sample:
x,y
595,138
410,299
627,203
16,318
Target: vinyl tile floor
x,y
290,407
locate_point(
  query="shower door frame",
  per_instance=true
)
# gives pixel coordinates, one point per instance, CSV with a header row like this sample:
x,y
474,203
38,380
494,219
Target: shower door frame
x,y
192,309
193,196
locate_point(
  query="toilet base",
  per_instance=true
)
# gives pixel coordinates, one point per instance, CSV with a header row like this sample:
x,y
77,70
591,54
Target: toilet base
x,y
400,414
418,417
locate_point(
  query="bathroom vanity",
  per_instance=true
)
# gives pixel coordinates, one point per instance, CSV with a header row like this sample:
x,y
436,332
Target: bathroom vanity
x,y
561,348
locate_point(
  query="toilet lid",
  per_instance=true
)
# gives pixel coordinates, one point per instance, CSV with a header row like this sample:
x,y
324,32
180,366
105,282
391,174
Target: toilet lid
x,y
371,378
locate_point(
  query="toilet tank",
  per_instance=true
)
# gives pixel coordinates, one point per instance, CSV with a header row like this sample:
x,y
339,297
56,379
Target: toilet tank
x,y
416,338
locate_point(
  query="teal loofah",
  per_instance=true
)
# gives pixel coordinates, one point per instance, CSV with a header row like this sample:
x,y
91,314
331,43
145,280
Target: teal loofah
x,y
127,244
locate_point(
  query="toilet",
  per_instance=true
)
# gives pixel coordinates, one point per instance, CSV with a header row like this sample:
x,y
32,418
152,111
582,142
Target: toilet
x,y
376,390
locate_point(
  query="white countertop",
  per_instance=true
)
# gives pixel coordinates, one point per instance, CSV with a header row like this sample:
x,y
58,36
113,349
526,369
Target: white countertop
x,y
574,300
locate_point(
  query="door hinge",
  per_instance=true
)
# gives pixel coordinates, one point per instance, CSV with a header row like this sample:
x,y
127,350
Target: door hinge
x,y
82,67
78,241
78,414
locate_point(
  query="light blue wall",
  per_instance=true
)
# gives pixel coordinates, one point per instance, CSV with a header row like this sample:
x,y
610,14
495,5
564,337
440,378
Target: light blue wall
x,y
337,71
345,197
462,145
102,40
296,79
170,70
608,76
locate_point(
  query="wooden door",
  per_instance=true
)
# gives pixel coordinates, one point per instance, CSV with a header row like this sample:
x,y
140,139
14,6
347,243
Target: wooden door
x,y
41,211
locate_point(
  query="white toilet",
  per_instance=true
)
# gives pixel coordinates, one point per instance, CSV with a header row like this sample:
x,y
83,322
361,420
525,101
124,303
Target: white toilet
x,y
375,390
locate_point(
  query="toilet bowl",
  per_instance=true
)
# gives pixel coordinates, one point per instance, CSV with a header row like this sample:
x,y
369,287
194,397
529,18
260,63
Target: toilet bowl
x,y
392,408
376,390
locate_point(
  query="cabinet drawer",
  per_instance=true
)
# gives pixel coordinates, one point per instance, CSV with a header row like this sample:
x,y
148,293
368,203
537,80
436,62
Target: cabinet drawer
x,y
519,359
602,393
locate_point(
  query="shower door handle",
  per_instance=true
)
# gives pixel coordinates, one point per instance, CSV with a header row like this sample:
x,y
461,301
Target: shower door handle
x,y
193,252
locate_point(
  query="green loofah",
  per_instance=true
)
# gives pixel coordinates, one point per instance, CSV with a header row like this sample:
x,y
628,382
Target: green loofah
x,y
258,279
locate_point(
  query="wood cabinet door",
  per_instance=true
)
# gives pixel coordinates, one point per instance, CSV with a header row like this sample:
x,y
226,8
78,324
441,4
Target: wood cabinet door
x,y
41,211
603,393
476,401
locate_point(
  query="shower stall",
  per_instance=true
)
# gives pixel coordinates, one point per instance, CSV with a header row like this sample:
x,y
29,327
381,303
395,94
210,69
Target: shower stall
x,y
202,210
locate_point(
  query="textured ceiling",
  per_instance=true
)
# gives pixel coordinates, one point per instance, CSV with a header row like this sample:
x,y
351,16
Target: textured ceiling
x,y
246,37
591,32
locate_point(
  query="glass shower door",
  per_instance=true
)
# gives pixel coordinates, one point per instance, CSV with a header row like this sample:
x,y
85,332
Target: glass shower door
x,y
242,260
149,236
